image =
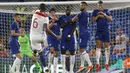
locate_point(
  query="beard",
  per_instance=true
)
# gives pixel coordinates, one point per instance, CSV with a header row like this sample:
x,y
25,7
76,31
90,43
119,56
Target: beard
x,y
82,9
67,14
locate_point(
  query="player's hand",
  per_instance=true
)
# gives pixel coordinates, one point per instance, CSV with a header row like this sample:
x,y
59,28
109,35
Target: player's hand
x,y
100,13
101,16
58,37
68,38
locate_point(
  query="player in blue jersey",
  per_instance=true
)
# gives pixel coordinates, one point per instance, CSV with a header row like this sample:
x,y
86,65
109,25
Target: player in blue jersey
x,y
53,43
67,41
14,45
102,17
83,35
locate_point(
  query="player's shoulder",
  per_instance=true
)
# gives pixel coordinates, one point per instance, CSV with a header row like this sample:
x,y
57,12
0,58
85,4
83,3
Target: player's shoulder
x,y
43,14
95,10
106,10
13,23
63,16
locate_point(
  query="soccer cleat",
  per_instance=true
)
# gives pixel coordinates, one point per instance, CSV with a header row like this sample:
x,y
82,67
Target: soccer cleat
x,y
89,68
107,67
98,67
81,68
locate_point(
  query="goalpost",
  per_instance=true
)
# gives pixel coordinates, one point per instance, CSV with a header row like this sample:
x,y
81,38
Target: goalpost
x,y
120,11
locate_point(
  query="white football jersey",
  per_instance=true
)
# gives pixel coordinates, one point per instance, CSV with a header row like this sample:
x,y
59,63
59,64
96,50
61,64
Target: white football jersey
x,y
38,21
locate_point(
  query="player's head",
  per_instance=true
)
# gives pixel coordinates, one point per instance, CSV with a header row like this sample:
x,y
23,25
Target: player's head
x,y
17,17
83,6
52,12
68,11
100,5
42,7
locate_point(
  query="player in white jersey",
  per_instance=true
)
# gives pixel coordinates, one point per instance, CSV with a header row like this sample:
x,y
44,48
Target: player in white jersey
x,y
39,26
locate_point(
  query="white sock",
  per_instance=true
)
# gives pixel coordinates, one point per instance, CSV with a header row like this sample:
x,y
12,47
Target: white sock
x,y
86,57
107,53
98,53
82,60
50,60
72,61
16,65
55,63
63,62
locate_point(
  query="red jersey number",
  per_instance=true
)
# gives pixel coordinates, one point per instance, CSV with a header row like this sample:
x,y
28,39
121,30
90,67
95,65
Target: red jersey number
x,y
35,23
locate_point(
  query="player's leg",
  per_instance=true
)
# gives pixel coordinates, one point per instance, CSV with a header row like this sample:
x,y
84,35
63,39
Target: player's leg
x,y
15,50
98,49
37,51
83,44
72,60
55,62
63,55
50,58
107,48
71,46
34,59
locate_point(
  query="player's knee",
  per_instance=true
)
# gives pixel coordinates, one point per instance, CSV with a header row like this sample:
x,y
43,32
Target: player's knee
x,y
19,56
56,54
40,53
34,51
82,50
52,50
98,44
72,52
63,52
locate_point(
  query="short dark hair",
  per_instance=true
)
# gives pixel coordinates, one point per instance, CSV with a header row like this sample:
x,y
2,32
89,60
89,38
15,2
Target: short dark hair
x,y
16,14
100,2
84,3
52,9
42,7
68,8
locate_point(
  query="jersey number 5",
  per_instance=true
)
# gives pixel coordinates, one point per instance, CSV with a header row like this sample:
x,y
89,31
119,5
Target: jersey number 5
x,y
35,23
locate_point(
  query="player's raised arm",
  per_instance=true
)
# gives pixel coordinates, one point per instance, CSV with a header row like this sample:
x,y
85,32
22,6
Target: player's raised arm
x,y
75,18
14,26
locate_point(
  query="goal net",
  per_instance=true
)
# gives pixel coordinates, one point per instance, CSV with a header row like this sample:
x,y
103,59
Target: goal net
x,y
120,11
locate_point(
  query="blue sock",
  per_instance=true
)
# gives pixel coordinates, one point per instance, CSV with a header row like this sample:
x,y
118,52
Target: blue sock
x,y
42,59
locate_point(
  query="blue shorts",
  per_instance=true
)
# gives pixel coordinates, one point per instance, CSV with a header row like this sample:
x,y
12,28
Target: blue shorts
x,y
103,36
53,42
68,45
14,46
83,39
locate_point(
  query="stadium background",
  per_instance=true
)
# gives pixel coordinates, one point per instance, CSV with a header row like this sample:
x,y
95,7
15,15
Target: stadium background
x,y
121,19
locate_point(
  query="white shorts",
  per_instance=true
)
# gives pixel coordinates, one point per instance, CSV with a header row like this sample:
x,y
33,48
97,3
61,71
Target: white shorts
x,y
36,42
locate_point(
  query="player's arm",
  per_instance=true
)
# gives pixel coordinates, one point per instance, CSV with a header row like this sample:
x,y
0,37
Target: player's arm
x,y
109,18
13,33
94,16
73,29
46,28
75,18
51,23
